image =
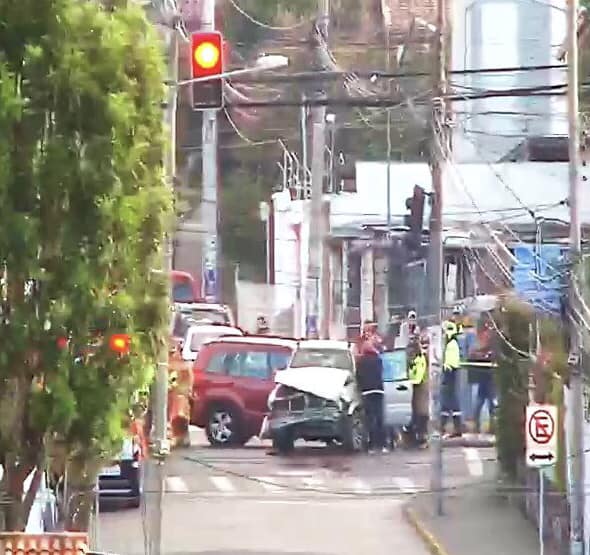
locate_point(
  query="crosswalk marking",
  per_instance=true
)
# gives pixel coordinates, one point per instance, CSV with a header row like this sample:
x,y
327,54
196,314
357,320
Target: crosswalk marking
x,y
222,483
277,485
404,484
474,464
358,486
269,484
312,482
176,484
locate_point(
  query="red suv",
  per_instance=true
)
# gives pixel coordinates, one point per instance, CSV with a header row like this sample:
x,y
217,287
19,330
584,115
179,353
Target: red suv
x,y
233,377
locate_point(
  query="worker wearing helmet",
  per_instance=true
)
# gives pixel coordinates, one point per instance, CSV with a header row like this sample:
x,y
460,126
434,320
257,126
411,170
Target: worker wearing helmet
x,y
451,363
262,327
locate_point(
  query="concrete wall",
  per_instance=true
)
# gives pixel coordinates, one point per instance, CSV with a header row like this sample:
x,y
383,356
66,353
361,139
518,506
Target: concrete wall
x,y
254,299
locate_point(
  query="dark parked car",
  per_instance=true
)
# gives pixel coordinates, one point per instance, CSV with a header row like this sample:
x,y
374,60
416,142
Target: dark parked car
x,y
120,483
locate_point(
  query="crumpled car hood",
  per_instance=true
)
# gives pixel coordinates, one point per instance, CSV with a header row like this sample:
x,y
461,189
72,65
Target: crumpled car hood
x,y
327,383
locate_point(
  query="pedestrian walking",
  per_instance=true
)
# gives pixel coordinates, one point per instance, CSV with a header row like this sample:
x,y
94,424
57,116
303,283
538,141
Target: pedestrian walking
x,y
370,381
409,328
417,429
451,364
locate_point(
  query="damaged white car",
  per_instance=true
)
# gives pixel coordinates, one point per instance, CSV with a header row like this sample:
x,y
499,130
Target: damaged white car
x,y
315,404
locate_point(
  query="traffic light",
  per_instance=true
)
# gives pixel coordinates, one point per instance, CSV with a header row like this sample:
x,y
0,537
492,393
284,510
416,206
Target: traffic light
x,y
119,343
62,343
415,219
207,61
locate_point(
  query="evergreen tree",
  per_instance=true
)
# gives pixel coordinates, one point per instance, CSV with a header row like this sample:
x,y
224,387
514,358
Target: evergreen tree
x,y
83,211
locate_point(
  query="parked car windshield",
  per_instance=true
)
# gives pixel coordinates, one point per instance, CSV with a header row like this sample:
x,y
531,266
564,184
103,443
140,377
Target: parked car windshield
x,y
182,292
212,315
327,358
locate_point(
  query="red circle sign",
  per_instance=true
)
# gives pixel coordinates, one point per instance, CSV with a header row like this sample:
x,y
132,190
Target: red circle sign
x,y
541,427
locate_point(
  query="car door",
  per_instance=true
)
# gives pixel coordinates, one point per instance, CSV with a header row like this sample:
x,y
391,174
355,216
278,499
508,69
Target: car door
x,y
253,380
398,389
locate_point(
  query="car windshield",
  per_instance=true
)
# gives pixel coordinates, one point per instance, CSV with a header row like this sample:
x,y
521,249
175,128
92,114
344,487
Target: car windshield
x,y
182,292
327,358
212,315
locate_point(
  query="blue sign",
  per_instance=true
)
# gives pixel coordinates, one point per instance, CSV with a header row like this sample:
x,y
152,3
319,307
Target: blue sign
x,y
210,284
539,277
311,326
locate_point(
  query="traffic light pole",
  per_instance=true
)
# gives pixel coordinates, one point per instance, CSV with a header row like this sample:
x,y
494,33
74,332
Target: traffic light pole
x,y
159,446
209,208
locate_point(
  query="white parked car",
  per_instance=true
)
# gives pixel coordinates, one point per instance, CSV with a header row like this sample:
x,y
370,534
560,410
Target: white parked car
x,y
197,335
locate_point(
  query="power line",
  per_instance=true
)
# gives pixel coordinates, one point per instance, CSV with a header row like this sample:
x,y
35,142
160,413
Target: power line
x,y
377,74
259,23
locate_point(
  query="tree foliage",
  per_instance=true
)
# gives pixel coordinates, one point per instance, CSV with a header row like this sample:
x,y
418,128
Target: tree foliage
x,y
83,210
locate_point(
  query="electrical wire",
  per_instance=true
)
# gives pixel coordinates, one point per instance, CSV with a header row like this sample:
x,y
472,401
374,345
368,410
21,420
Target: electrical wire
x,y
242,136
252,19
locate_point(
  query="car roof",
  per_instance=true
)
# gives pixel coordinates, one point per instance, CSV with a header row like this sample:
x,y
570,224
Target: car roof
x,y
214,328
257,340
323,344
201,306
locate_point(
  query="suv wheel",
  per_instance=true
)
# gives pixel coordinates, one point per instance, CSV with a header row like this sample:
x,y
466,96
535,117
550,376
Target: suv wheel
x,y
223,426
283,441
354,432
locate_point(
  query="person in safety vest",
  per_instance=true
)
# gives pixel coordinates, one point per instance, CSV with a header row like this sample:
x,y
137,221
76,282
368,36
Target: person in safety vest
x,y
418,374
451,363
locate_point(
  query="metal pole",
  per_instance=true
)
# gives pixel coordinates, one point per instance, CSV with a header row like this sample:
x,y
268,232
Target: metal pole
x,y
303,115
155,471
576,399
318,170
209,209
388,125
436,250
541,512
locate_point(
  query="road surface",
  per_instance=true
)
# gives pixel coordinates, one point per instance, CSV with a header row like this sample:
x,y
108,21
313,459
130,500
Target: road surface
x,y
317,501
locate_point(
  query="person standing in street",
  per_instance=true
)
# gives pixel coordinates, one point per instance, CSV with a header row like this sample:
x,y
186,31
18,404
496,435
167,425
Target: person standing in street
x,y
451,365
370,381
418,374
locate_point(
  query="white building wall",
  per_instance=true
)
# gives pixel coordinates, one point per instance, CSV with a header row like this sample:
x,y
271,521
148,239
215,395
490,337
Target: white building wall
x,y
505,33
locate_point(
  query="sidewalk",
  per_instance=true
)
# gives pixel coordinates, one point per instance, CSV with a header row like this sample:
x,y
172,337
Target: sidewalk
x,y
476,521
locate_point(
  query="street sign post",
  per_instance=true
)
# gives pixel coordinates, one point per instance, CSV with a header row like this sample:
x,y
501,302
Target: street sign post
x,y
541,450
541,435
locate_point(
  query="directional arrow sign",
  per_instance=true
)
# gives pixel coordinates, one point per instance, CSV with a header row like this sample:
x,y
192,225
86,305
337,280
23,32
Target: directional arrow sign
x,y
541,435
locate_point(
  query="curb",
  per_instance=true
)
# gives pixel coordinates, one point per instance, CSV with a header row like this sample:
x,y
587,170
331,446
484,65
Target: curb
x,y
431,543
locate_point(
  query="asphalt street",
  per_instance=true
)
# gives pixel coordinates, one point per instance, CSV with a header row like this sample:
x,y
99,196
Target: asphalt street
x,y
317,501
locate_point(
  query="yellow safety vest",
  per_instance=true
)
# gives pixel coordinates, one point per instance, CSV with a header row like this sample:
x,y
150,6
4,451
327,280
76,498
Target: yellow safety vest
x,y
452,358
417,372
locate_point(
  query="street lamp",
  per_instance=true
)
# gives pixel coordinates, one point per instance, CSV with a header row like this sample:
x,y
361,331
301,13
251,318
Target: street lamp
x,y
266,62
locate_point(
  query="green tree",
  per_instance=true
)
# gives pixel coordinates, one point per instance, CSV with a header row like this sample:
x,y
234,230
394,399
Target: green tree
x,y
83,210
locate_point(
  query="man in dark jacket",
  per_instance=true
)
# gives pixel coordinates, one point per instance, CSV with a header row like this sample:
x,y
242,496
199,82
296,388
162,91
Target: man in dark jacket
x,y
370,381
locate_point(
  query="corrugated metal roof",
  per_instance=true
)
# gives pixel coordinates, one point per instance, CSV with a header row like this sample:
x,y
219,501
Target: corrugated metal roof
x,y
16,543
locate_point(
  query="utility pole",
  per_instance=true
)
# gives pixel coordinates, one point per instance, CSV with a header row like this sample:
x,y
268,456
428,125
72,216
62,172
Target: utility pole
x,y
209,208
576,404
439,153
159,445
318,170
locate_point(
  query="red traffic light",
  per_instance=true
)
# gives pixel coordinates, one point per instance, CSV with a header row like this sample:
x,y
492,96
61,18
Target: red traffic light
x,y
207,61
62,343
206,54
119,343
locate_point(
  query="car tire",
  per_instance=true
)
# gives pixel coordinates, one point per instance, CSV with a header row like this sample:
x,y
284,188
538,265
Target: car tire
x,y
283,442
223,426
354,437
